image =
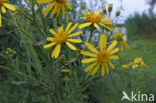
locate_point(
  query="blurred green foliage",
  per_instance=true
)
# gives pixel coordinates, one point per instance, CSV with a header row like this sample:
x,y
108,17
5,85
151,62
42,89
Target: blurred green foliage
x,y
141,25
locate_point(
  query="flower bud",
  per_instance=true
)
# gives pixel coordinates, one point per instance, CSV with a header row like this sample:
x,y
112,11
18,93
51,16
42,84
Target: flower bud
x,y
118,13
104,10
110,7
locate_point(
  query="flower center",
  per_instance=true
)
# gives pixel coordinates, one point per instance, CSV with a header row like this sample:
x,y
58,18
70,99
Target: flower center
x,y
1,2
95,17
61,37
61,1
103,57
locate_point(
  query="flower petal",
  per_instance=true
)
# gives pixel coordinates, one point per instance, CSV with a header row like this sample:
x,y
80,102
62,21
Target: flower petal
x,y
52,32
75,34
103,70
90,47
107,70
111,65
48,45
112,45
114,51
68,26
84,25
75,26
95,70
88,54
71,46
88,60
56,51
9,6
43,1
50,39
103,41
3,9
75,40
90,67
47,9
96,25
114,57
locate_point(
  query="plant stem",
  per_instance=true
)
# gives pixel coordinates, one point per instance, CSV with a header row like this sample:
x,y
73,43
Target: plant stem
x,y
22,74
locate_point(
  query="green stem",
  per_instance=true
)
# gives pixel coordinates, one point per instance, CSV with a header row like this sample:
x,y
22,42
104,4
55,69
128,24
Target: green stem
x,y
57,94
24,75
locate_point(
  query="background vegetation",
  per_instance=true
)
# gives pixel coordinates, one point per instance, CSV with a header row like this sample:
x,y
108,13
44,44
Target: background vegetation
x,y
29,59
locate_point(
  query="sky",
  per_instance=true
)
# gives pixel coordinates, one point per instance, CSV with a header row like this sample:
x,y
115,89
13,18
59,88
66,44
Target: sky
x,y
129,7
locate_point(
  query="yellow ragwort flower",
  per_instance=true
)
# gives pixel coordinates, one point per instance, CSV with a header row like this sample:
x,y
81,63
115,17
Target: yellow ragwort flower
x,y
102,58
95,19
120,38
62,37
3,6
56,6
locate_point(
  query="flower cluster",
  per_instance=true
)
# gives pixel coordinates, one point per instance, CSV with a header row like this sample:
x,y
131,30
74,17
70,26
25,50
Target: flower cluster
x,y
137,63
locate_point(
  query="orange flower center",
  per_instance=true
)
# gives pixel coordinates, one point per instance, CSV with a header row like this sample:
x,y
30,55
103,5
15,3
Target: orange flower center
x,y
61,1
61,37
95,17
1,2
103,57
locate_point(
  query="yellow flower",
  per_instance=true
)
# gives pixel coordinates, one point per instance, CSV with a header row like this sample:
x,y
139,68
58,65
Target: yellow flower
x,y
102,58
62,37
3,6
95,19
56,6
120,38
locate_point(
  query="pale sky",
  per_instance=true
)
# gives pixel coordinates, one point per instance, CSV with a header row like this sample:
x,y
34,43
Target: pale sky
x,y
129,6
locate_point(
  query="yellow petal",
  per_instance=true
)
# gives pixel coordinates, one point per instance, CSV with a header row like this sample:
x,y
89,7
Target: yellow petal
x,y
56,51
75,40
84,25
126,45
88,54
87,11
69,5
90,67
103,41
68,26
52,32
75,26
43,1
50,39
55,10
82,17
48,45
75,34
58,11
58,48
46,10
95,70
0,20
103,70
84,13
111,65
88,60
114,51
107,70
96,25
3,9
90,47
114,57
60,29
71,46
105,26
9,6
63,10
112,45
